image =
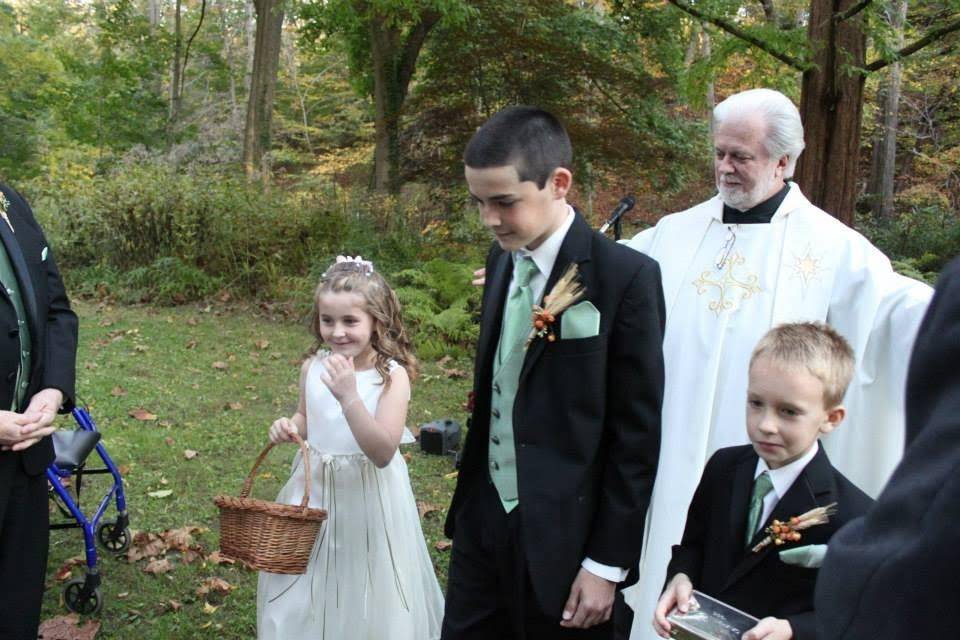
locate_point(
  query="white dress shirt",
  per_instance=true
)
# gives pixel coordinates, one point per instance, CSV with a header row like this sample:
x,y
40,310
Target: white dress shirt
x,y
782,479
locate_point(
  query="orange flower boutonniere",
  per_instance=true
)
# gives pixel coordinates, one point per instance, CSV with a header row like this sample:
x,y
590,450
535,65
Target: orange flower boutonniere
x,y
567,291
780,533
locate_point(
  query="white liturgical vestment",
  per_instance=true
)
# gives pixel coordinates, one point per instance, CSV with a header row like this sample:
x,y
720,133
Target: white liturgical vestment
x,y
725,285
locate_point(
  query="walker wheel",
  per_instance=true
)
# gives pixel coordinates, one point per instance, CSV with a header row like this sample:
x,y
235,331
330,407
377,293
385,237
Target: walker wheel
x,y
79,599
112,539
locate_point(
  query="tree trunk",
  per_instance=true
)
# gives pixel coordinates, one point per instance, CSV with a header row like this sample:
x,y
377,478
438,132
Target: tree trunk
x,y
831,106
880,186
394,61
175,71
263,84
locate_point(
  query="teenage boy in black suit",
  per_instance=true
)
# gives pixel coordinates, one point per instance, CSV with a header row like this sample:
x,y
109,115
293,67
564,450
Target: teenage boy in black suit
x,y
798,376
38,345
558,465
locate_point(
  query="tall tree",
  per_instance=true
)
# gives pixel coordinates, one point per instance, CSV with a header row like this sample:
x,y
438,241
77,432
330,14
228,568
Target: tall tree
x,y
833,64
263,85
880,186
384,38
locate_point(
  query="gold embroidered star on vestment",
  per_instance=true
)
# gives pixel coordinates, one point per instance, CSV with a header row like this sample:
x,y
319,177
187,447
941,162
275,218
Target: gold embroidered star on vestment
x,y
728,285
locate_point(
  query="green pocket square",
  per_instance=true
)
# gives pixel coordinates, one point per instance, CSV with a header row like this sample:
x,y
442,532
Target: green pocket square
x,y
809,556
582,320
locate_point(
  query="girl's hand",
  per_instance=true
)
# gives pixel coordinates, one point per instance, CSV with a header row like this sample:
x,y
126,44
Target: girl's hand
x,y
282,430
340,377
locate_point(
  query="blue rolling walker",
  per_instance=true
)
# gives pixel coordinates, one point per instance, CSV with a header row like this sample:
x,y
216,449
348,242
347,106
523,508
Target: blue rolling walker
x,y
82,595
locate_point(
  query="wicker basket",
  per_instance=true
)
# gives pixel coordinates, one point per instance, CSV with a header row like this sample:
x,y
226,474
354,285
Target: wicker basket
x,y
266,535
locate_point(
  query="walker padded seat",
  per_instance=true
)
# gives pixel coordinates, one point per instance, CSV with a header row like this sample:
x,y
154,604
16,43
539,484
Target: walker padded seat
x,y
73,447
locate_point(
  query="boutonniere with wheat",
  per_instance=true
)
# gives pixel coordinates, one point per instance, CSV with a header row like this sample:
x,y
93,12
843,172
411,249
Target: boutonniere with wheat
x,y
567,291
4,207
779,533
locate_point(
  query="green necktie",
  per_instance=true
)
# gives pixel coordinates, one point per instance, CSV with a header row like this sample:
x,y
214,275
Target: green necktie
x,y
517,320
761,487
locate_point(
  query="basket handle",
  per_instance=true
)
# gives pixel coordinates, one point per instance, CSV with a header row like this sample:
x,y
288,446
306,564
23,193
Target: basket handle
x,y
248,483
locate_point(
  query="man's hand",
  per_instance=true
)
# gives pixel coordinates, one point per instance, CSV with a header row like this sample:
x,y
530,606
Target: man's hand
x,y
10,425
677,594
479,277
37,421
590,601
770,629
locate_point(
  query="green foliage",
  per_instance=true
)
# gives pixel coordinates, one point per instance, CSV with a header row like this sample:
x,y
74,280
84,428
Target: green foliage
x,y
440,306
577,62
217,224
920,240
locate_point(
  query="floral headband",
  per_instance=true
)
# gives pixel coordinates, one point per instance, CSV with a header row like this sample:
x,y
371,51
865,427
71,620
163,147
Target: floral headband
x,y
349,263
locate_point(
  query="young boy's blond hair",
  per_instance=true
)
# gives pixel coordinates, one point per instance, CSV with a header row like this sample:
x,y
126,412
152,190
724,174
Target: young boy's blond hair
x,y
817,347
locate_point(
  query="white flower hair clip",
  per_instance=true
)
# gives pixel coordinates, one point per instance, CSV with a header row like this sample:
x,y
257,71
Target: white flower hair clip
x,y
356,263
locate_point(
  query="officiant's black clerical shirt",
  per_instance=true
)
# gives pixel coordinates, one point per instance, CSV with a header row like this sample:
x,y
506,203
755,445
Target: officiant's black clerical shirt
x,y
759,214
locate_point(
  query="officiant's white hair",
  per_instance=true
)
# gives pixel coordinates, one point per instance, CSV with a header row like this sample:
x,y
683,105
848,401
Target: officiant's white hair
x,y
784,128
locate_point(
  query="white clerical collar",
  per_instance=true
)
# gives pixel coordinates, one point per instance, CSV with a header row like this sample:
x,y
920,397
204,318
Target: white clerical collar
x,y
784,477
545,255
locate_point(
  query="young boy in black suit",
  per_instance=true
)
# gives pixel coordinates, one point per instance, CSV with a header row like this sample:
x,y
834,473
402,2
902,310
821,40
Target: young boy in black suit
x,y
798,376
559,462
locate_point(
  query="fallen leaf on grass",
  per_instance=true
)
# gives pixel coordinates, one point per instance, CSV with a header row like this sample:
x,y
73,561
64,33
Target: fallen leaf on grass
x,y
208,608
123,595
219,365
217,558
451,372
190,454
162,493
170,441
214,585
192,322
408,458
142,414
262,344
192,344
175,605
68,627
118,391
425,508
158,566
66,569
443,545
451,475
233,406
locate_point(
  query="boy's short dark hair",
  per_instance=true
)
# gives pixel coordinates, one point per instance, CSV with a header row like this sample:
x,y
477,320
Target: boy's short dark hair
x,y
528,138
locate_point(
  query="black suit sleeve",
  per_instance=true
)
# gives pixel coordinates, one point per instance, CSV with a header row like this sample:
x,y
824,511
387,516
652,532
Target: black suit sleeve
x,y
688,555
60,356
632,425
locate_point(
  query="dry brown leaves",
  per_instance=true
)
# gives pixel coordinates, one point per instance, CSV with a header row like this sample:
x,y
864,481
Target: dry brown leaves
x,y
450,372
142,414
66,569
68,627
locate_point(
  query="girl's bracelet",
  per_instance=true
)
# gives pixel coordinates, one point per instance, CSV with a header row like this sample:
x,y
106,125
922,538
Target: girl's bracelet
x,y
343,408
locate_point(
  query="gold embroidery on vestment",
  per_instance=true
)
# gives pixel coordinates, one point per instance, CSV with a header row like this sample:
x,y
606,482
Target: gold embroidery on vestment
x,y
728,285
807,267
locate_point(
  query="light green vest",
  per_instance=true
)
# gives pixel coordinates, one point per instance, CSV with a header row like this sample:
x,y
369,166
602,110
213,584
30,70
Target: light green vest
x,y
8,279
503,452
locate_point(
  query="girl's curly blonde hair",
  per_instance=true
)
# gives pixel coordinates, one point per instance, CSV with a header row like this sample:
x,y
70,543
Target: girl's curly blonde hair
x,y
388,337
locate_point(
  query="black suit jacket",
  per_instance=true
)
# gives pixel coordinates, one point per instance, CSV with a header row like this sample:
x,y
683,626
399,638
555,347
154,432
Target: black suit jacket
x,y
586,416
53,327
893,573
718,563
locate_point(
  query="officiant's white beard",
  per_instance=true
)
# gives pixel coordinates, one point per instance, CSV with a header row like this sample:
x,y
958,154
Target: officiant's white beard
x,y
734,195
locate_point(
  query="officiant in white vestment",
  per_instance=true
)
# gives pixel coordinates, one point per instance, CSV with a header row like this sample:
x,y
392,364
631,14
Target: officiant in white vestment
x,y
756,255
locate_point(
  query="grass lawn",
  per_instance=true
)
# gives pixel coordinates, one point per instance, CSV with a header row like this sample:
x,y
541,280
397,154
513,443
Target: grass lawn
x,y
212,379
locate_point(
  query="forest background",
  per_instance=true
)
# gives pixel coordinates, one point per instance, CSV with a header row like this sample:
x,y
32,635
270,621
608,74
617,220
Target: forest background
x,y
189,154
